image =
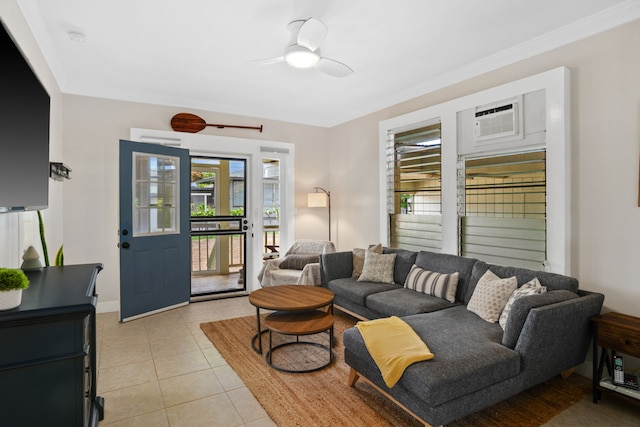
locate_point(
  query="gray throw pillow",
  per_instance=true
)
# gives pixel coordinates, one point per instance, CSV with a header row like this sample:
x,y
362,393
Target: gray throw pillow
x,y
297,261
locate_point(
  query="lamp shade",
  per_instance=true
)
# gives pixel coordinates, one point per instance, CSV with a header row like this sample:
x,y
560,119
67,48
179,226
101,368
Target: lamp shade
x,y
316,200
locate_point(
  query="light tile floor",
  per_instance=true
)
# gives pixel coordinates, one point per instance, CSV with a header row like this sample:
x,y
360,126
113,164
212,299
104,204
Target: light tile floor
x,y
162,371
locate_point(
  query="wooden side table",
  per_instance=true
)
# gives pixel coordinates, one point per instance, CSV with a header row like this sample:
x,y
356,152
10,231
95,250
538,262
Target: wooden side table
x,y
614,332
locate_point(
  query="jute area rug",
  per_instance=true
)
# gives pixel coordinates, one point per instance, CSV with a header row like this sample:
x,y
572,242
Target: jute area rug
x,y
322,398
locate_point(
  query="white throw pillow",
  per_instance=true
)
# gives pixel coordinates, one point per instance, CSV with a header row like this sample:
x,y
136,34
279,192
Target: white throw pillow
x,y
532,287
491,295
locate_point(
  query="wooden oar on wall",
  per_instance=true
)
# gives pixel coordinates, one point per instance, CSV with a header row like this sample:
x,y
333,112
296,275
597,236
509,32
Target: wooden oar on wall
x,y
185,122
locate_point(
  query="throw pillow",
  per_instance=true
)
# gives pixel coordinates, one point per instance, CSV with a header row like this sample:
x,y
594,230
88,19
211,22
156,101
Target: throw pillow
x,y
532,287
297,261
358,258
439,285
491,295
377,267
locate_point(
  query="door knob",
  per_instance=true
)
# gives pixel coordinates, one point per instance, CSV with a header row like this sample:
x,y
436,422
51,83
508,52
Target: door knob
x,y
125,245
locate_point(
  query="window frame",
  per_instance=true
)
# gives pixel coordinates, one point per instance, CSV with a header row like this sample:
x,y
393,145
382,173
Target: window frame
x,y
558,146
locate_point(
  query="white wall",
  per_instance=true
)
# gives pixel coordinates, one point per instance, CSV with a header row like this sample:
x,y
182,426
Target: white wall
x,y
605,131
92,130
14,237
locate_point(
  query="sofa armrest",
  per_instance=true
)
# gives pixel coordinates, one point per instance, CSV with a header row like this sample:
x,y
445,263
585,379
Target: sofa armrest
x,y
556,337
265,272
337,265
310,275
522,307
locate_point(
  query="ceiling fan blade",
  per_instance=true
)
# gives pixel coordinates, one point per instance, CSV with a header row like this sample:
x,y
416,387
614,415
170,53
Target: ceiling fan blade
x,y
334,68
267,61
312,33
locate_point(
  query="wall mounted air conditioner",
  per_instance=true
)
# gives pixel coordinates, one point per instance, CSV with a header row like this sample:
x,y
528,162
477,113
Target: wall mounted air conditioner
x,y
497,121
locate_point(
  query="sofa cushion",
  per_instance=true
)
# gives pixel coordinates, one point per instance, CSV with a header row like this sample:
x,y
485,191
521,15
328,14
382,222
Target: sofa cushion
x,y
404,302
491,295
298,261
552,281
468,357
532,287
446,263
520,311
377,267
439,285
358,257
352,290
405,259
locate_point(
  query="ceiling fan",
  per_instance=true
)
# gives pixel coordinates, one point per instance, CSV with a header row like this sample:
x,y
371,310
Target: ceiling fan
x,y
303,50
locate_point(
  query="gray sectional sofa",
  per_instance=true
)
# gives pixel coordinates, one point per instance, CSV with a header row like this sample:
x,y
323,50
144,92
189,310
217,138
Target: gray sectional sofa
x,y
477,364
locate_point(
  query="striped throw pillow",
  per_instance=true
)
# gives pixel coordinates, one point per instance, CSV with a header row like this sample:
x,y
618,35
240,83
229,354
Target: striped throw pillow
x,y
439,285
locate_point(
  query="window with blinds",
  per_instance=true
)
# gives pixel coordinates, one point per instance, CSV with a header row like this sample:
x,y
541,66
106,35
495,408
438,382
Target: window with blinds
x,y
504,219
414,189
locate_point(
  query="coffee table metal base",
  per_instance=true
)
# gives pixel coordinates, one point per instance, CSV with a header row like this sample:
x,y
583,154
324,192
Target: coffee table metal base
x,y
297,342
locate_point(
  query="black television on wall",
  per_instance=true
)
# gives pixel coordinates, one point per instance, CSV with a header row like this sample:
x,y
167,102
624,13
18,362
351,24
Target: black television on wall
x,y
24,131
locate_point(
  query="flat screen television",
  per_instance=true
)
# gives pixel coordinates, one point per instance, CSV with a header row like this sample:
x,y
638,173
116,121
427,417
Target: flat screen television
x,y
24,132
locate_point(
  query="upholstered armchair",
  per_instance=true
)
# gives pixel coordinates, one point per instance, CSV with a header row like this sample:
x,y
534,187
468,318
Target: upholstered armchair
x,y
299,266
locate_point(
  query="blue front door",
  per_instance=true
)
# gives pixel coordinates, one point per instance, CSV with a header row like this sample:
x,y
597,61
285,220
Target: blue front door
x,y
155,249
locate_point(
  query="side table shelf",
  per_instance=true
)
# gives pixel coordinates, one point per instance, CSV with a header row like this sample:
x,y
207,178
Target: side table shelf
x,y
608,384
613,332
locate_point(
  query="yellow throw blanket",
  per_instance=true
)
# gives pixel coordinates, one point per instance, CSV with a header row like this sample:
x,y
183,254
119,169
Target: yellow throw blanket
x,y
394,345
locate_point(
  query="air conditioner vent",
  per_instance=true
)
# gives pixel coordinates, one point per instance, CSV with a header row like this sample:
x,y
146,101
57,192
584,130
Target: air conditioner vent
x,y
496,122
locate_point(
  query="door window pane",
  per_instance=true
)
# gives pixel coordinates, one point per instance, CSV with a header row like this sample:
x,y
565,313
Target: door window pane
x,y
217,187
155,194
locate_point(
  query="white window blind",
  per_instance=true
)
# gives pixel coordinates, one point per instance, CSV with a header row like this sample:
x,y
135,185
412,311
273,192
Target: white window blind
x,y
414,188
504,219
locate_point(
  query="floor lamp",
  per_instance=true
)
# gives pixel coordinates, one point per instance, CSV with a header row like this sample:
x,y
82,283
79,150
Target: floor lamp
x,y
318,200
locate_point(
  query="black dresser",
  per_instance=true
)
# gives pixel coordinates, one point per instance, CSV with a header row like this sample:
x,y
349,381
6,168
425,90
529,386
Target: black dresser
x,y
48,351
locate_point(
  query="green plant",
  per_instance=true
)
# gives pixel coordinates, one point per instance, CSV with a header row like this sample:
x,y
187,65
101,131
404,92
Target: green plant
x,y
59,261
12,278
45,252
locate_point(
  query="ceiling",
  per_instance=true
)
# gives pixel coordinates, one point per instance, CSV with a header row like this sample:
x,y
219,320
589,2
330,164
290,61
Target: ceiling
x,y
197,54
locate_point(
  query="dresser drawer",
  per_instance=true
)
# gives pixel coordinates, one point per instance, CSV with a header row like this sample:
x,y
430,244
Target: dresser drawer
x,y
622,341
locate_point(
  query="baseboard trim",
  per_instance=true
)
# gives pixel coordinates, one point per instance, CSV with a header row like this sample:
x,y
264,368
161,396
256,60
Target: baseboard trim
x,y
108,307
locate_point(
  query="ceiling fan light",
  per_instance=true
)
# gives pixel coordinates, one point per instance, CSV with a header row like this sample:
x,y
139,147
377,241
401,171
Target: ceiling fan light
x,y
301,57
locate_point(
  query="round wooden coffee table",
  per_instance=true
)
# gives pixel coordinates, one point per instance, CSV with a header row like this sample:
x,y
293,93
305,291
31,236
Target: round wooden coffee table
x,y
288,298
298,323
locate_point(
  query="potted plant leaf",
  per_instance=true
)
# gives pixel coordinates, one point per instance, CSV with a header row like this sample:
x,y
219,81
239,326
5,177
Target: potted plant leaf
x,y
12,282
